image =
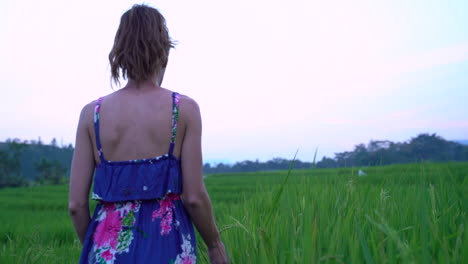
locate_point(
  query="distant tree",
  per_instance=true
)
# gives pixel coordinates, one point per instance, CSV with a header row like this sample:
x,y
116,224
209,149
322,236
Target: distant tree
x,y
15,148
327,163
8,173
361,155
277,164
206,168
53,142
344,159
244,166
376,145
51,171
10,164
430,147
252,166
220,168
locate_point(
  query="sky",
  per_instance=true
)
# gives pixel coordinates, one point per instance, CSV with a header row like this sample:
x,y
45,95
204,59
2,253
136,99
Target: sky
x,y
271,77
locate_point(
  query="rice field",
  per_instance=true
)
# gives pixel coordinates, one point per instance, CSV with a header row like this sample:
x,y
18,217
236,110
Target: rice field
x,y
412,213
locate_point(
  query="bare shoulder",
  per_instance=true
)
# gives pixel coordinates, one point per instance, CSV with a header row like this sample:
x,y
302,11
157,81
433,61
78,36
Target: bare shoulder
x,y
188,106
87,114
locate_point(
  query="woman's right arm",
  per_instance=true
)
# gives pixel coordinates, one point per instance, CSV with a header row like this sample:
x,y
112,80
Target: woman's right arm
x,y
195,196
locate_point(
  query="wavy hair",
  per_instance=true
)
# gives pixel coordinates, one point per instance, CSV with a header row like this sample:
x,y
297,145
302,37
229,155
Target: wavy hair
x,y
141,45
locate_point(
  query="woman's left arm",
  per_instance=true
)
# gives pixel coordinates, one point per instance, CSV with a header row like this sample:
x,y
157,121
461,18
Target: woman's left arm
x,y
81,174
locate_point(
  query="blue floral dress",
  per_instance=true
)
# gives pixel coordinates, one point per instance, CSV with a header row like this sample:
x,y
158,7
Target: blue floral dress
x,y
140,217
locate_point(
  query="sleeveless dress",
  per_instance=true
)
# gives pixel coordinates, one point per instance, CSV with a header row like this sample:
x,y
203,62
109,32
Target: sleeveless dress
x,y
139,217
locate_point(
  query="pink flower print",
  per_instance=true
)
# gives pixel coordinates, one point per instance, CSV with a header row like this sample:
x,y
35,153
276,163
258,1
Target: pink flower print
x,y
187,256
97,109
164,212
173,196
108,206
187,260
107,255
166,223
107,231
165,228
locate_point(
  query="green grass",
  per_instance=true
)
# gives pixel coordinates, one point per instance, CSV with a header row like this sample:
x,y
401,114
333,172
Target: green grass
x,y
412,213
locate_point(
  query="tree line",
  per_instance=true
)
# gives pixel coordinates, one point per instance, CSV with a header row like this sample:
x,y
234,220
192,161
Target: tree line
x,y
423,147
33,162
252,166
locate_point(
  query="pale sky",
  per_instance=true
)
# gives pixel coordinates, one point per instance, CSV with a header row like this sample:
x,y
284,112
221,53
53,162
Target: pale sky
x,y
270,76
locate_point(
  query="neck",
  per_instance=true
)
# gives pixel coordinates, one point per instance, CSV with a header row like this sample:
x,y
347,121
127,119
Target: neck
x,y
142,84
154,82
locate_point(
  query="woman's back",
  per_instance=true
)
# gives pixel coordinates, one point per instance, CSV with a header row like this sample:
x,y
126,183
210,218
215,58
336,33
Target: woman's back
x,y
137,124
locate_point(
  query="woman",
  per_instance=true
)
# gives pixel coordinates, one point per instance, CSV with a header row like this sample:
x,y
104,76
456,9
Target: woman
x,y
144,143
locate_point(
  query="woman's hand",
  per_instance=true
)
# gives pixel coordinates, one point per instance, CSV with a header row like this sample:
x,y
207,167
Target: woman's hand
x,y
217,254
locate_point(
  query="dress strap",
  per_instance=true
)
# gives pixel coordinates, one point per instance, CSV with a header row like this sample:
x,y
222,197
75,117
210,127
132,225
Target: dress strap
x,y
175,118
97,109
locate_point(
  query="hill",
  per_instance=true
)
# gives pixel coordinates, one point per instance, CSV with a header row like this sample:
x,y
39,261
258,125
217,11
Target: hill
x,y
463,141
31,153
